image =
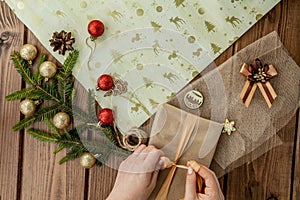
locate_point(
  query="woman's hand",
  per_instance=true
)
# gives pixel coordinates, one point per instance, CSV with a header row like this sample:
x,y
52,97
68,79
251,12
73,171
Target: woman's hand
x,y
212,190
137,174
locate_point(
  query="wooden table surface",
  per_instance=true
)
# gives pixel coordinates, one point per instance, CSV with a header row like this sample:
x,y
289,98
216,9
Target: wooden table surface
x,y
29,170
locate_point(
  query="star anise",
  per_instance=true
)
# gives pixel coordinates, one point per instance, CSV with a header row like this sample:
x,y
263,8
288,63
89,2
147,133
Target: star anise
x,y
62,42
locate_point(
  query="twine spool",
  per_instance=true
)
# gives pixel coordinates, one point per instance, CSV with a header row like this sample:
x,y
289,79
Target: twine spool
x,y
134,138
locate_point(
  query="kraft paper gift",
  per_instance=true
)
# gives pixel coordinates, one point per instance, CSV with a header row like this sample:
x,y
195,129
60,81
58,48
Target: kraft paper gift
x,y
182,136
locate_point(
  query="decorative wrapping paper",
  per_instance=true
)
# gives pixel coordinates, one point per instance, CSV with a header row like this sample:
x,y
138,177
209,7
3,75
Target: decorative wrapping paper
x,y
182,136
256,125
158,47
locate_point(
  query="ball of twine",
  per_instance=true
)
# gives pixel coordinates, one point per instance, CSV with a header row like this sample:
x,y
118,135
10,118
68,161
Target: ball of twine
x,y
134,138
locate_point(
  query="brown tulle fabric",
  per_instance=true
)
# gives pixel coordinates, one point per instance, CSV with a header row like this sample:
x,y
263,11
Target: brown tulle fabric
x,y
256,125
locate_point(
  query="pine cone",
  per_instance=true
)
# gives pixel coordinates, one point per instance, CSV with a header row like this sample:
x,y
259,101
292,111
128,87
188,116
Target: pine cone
x,y
62,42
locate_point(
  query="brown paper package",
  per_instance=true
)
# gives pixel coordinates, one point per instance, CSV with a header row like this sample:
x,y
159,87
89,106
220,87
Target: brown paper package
x,y
169,126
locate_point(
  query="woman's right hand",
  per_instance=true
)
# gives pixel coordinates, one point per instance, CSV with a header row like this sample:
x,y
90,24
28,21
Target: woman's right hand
x,y
212,190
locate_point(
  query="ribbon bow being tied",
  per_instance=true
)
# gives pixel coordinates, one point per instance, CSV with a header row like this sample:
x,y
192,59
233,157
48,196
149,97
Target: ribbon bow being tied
x,y
259,75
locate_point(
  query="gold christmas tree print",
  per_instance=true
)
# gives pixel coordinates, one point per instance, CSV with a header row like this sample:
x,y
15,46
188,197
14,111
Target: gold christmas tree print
x,y
170,76
60,13
153,103
136,38
148,82
173,55
179,3
155,47
197,53
155,25
115,15
173,94
209,26
117,56
234,21
133,98
177,21
215,48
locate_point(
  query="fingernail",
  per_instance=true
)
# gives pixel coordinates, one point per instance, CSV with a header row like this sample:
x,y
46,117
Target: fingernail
x,y
161,163
190,170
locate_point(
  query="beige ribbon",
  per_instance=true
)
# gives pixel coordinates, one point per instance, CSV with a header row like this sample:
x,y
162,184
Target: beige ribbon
x,y
186,132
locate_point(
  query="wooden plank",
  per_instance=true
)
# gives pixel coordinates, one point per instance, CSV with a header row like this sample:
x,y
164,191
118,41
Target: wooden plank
x,y
296,167
101,182
10,142
43,177
290,31
268,176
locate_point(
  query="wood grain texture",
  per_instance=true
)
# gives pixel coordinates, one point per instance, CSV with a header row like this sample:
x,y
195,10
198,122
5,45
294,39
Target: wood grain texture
x,y
9,111
29,170
290,32
43,177
296,167
270,175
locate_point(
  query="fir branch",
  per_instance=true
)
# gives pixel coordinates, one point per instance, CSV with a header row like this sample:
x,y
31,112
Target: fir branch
x,y
91,106
79,115
98,163
24,123
38,76
75,152
59,149
105,149
52,127
20,94
53,94
68,88
47,112
110,134
22,67
70,62
38,94
54,83
44,137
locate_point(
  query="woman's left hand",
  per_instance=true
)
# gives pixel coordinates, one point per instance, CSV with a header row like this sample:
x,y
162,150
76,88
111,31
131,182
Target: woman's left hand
x,y
137,174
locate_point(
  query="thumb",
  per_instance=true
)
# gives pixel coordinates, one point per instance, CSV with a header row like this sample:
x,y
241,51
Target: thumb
x,y
190,185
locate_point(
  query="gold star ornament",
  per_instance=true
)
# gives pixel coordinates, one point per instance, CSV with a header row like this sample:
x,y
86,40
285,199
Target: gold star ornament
x,y
228,127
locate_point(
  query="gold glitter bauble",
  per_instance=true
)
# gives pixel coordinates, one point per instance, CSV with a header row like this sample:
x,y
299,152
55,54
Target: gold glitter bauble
x,y
61,120
27,107
28,52
48,69
87,160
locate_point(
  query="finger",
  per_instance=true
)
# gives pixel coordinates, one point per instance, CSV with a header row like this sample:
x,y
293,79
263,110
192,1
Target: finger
x,y
203,196
153,179
140,148
152,159
209,177
190,185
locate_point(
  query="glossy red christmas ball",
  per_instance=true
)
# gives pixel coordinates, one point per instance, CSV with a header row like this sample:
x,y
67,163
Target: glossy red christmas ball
x,y
106,116
105,82
96,28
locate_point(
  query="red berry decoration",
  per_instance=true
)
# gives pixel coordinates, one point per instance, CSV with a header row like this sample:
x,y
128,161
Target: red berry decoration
x,y
105,82
106,116
95,28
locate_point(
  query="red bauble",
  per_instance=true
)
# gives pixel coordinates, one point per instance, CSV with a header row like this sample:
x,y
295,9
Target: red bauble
x,y
105,82
106,116
96,28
